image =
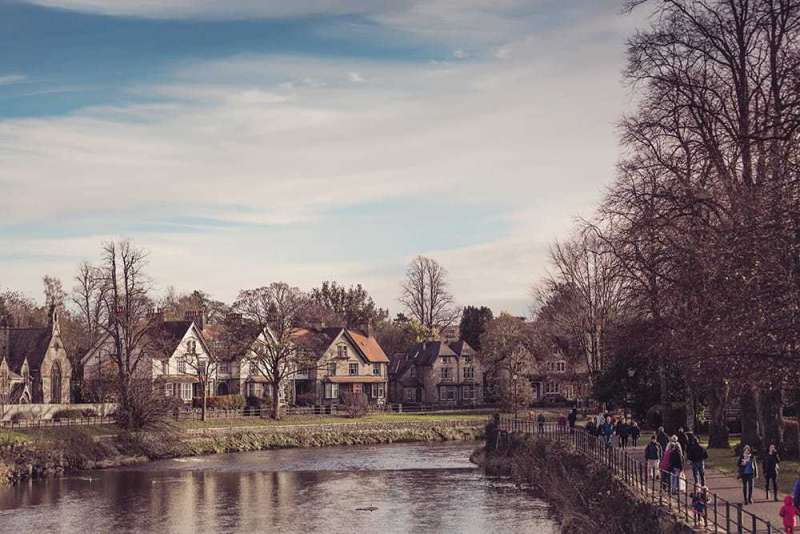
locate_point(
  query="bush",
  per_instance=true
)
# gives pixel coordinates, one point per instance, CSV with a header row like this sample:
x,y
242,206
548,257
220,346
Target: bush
x,y
89,412
306,399
355,405
791,438
21,416
67,414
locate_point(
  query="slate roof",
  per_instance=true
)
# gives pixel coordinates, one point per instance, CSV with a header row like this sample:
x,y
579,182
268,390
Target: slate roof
x,y
462,348
167,335
30,343
426,353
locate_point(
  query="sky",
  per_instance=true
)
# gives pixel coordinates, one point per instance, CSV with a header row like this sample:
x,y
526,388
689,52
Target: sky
x,y
242,142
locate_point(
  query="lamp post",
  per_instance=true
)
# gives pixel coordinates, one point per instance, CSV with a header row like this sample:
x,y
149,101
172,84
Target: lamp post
x,y
514,394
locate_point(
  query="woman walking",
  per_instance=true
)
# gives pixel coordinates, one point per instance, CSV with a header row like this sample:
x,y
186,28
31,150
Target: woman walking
x,y
675,464
771,467
748,471
635,433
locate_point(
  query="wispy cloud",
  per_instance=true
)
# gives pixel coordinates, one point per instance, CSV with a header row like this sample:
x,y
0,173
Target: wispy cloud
x,y
9,79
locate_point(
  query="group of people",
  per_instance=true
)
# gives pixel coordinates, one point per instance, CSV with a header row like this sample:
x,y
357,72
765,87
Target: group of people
x,y
624,429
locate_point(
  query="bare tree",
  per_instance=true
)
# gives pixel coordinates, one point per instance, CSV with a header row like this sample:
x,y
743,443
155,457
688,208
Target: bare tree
x,y
122,288
54,294
588,278
204,366
277,310
507,347
425,294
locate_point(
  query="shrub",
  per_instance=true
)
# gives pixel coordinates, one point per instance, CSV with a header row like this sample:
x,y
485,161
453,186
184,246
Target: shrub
x,y
355,405
89,412
21,416
67,414
791,438
306,399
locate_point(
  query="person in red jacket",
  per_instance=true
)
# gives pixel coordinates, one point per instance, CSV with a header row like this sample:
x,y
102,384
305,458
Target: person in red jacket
x,y
789,514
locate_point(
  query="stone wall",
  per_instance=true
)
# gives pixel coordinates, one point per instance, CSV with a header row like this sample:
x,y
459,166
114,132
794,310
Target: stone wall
x,y
46,411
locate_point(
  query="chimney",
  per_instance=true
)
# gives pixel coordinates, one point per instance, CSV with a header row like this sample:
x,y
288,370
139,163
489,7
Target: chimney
x,y
198,316
155,315
366,328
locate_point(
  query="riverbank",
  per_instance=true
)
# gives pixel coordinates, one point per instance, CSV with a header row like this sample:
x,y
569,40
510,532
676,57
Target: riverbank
x,y
584,495
54,451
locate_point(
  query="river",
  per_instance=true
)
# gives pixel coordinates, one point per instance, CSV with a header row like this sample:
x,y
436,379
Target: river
x,y
386,489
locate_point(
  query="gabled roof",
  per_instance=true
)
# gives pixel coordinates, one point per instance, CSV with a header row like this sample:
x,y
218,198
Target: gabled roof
x,y
30,343
368,346
462,348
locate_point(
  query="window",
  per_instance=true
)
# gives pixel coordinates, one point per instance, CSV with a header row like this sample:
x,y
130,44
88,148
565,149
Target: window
x,y
378,391
341,351
253,368
168,390
352,369
225,367
191,346
331,391
561,366
413,372
186,391
467,360
410,394
376,369
469,392
469,373
182,366
445,372
164,367
449,393
552,388
332,369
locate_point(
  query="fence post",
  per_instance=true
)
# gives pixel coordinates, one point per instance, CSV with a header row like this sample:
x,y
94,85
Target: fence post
x,y
739,526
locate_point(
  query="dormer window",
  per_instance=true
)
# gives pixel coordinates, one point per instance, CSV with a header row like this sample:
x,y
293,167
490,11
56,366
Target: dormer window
x,y
341,351
413,372
191,346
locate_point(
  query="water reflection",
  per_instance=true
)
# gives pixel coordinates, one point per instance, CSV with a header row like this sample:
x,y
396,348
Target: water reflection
x,y
387,489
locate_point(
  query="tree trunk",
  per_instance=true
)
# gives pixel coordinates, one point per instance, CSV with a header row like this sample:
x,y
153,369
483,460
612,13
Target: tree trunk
x,y
748,404
204,385
690,415
771,417
718,435
276,402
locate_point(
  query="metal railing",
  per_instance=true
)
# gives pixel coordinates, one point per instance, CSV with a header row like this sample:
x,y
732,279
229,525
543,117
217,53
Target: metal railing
x,y
719,515
47,423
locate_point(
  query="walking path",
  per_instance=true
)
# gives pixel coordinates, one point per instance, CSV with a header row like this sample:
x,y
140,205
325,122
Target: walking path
x,y
729,488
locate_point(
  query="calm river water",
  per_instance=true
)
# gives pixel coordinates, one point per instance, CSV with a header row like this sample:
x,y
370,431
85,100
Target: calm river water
x,y
386,489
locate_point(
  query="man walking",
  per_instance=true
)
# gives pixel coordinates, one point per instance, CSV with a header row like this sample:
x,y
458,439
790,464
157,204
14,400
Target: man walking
x,y
697,455
652,456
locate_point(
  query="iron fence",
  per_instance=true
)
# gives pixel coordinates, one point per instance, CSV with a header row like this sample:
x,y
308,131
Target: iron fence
x,y
719,515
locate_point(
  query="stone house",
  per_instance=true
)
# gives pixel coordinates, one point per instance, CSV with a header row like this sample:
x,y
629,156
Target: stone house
x,y
34,367
558,378
436,372
172,352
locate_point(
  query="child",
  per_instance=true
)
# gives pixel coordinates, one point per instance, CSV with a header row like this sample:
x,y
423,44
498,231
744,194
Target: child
x,y
789,514
699,500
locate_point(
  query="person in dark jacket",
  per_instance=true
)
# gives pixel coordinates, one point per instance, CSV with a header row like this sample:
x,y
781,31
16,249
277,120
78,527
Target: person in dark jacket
x,y
624,432
663,438
682,440
607,433
652,455
675,464
748,471
771,466
590,427
635,432
572,417
697,456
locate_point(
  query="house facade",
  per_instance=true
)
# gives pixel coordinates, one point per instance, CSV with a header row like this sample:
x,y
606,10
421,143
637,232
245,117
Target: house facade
x,y
173,355
34,367
557,378
436,372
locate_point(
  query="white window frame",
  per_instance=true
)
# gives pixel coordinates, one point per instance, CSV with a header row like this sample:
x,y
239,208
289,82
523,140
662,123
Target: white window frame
x,y
376,369
468,393
181,365
410,394
341,351
186,391
469,372
350,368
331,390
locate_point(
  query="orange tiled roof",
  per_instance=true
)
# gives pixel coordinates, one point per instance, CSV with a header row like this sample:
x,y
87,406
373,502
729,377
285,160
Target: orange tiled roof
x,y
369,346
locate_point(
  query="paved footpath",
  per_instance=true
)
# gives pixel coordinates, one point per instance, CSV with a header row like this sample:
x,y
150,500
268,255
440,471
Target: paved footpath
x,y
730,489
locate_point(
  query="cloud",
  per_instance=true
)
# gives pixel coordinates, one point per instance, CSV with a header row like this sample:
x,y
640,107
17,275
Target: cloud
x,y
9,79
266,143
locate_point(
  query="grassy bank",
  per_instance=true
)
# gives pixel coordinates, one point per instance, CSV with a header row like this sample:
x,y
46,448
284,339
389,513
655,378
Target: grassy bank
x,y
34,453
585,496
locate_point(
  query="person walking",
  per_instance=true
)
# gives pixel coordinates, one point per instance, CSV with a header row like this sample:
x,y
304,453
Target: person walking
x,y
789,514
699,501
635,433
663,439
697,456
624,431
571,418
682,439
748,471
591,427
675,464
665,469
652,455
607,433
771,467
